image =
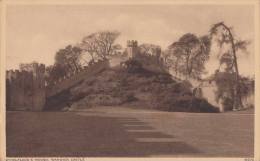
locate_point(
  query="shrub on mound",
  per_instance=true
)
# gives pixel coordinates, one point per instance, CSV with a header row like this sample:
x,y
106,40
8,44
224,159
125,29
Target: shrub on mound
x,y
183,104
179,98
202,105
132,84
133,66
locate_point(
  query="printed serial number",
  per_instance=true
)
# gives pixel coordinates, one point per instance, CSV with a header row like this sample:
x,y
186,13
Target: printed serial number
x,y
249,159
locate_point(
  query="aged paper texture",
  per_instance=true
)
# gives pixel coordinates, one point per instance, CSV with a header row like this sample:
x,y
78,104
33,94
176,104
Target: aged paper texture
x,y
133,80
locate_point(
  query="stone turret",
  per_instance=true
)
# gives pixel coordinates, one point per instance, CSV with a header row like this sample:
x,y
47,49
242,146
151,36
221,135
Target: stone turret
x,y
132,48
38,86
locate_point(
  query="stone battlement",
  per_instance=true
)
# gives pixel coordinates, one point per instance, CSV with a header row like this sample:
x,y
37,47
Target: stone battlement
x,y
132,43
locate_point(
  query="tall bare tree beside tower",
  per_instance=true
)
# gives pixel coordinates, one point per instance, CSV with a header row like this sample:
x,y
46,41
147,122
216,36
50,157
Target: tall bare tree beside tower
x,y
225,36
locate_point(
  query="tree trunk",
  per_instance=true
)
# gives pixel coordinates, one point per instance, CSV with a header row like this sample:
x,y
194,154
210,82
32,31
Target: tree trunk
x,y
237,95
187,65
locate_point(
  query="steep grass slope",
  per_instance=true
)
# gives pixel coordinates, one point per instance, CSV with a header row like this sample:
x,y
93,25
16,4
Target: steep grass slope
x,y
136,88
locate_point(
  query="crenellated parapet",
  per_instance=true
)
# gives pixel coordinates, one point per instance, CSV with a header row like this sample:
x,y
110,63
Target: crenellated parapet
x,y
132,43
132,48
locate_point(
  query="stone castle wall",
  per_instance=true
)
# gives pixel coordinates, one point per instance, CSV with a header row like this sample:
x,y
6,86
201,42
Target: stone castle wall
x,y
132,48
25,90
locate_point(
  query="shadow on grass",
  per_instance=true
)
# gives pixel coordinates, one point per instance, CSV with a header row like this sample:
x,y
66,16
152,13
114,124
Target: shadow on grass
x,y
70,135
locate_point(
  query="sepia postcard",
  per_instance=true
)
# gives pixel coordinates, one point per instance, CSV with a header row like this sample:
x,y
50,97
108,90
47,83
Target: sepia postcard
x,y
129,80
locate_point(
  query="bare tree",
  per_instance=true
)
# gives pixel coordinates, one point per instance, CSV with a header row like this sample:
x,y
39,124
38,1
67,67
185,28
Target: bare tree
x,y
100,45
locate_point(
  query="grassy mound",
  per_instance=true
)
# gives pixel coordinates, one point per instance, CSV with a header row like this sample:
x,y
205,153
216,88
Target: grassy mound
x,y
134,86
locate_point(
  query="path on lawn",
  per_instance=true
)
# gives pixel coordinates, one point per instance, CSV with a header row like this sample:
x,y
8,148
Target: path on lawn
x,y
126,132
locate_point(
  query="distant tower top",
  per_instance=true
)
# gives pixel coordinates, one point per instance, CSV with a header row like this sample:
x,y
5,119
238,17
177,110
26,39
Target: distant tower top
x,y
132,43
132,48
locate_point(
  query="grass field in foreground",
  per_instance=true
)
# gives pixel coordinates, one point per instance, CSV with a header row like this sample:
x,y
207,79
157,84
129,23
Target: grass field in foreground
x,y
124,132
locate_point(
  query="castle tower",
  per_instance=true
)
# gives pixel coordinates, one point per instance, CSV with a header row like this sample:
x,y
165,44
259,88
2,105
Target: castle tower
x,y
25,88
38,87
132,48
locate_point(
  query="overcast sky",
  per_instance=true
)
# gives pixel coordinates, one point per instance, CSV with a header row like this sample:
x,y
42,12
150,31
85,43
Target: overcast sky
x,y
36,32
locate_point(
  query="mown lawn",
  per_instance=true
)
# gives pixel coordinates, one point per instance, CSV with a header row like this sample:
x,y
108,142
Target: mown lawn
x,y
122,132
